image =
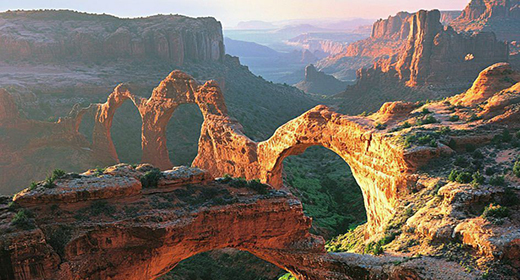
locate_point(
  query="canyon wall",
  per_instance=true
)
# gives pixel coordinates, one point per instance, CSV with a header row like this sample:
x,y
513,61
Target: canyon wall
x,y
64,36
499,16
434,55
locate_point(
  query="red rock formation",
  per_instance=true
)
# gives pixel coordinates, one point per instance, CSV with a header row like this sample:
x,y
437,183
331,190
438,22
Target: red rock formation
x,y
493,79
434,55
132,239
499,16
176,39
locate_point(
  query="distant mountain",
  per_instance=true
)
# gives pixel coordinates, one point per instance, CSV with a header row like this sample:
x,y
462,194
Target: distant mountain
x,y
317,82
254,25
248,49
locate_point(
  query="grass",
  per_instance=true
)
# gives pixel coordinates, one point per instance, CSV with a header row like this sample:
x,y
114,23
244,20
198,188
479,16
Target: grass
x,y
23,220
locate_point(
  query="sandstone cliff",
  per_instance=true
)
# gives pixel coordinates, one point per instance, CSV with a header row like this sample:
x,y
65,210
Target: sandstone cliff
x,y
65,36
499,16
434,62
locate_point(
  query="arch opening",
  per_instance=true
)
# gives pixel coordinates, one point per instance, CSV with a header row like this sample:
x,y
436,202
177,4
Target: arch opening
x,y
183,133
323,181
126,133
224,264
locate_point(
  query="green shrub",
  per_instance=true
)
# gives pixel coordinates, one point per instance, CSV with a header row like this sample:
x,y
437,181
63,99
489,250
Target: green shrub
x,y
445,130
454,118
478,179
22,220
464,178
518,134
497,180
374,248
425,111
461,161
478,154
380,126
33,186
49,181
495,211
287,276
257,186
151,178
426,120
506,136
453,175
516,168
490,171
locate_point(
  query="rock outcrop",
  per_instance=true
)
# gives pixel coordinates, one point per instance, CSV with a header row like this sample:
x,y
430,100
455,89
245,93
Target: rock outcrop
x,y
145,233
318,82
438,56
177,39
499,16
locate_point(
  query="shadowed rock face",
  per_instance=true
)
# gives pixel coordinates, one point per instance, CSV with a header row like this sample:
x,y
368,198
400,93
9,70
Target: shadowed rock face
x,y
318,82
85,37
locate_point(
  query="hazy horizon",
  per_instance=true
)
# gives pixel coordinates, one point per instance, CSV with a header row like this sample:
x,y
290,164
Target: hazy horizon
x,y
231,12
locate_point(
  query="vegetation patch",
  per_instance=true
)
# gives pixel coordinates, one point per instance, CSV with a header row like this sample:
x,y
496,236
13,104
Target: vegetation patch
x,y
151,178
23,220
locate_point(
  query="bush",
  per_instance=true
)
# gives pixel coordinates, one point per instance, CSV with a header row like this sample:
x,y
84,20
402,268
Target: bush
x,y
495,211
497,180
22,220
473,118
510,198
478,179
425,111
258,187
518,134
461,161
464,178
426,120
151,178
49,181
478,154
453,175
516,168
380,126
454,118
506,136
374,248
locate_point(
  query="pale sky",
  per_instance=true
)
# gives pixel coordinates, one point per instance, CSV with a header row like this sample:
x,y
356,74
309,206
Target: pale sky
x,y
230,12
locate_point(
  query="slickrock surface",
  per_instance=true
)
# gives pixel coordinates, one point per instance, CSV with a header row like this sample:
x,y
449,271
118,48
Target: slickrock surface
x,y
87,37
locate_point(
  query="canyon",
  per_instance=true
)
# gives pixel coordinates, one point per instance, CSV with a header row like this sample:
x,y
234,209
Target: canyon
x,y
185,211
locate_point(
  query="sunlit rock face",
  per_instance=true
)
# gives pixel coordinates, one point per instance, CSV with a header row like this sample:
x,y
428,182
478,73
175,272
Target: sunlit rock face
x,y
173,38
499,16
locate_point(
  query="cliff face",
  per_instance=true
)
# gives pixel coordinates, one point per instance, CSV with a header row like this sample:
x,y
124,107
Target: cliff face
x,y
59,36
437,55
499,16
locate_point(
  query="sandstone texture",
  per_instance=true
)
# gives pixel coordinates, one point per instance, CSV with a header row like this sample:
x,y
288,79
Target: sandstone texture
x,y
143,235
77,36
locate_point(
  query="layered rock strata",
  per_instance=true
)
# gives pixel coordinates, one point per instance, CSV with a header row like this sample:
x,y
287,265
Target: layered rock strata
x,y
145,233
177,39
